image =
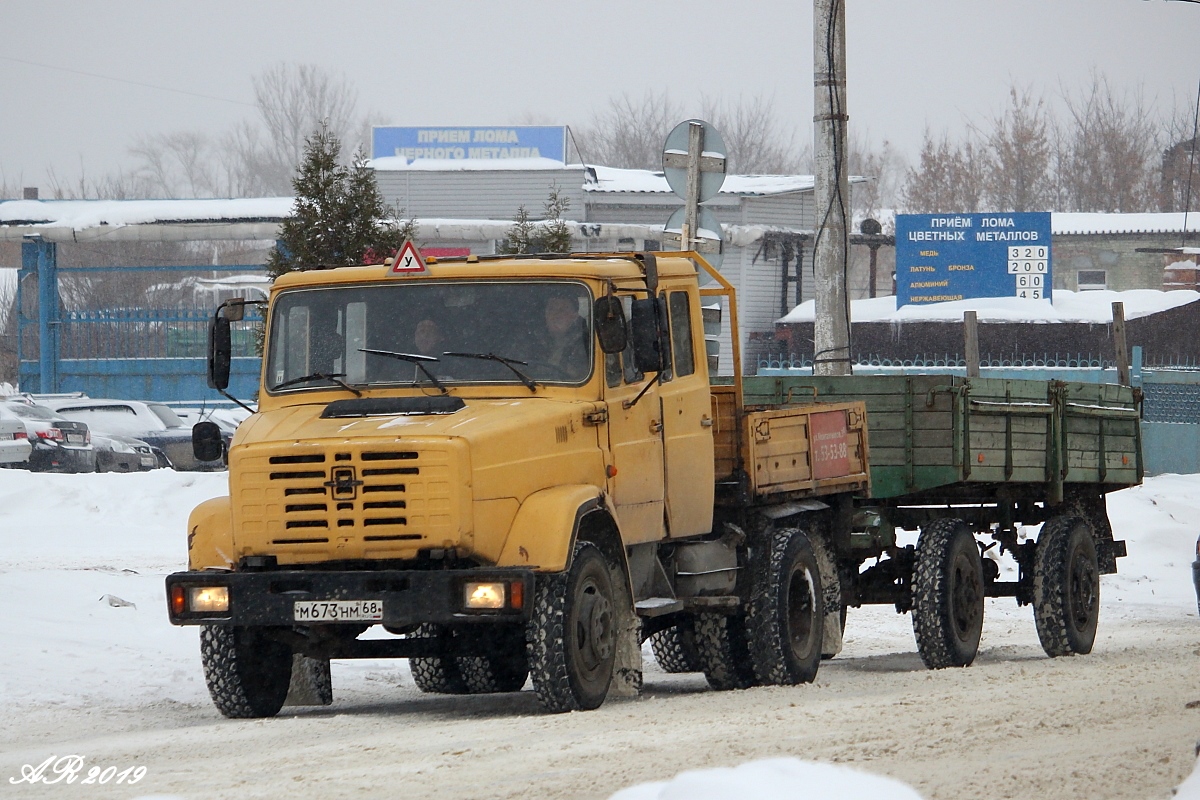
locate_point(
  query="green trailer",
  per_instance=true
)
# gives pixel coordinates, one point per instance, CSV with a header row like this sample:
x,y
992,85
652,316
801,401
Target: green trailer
x,y
969,462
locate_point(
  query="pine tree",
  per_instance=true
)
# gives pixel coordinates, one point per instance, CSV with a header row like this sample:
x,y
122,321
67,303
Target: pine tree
x,y
340,218
550,235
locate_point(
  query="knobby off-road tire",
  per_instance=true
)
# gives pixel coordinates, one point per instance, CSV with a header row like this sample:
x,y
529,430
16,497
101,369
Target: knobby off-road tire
x,y
436,674
504,669
247,672
948,594
723,649
787,610
1066,587
675,648
572,636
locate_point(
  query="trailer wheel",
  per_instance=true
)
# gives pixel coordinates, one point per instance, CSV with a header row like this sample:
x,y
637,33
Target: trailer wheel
x,y
573,633
723,648
247,673
675,648
948,594
1066,587
787,610
504,670
436,674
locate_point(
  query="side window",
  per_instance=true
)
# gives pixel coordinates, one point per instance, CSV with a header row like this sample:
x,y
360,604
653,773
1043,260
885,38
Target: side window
x,y
632,373
681,334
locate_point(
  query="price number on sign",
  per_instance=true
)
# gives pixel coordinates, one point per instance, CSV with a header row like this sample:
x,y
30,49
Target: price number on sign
x,y
1028,260
1029,281
1034,293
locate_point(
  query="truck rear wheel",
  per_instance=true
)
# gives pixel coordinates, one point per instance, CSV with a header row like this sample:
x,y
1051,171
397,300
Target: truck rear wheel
x,y
723,647
573,633
675,648
787,612
1066,587
436,674
506,667
247,672
947,590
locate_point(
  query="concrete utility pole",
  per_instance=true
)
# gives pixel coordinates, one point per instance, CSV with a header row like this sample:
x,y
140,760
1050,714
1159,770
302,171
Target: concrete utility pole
x,y
831,331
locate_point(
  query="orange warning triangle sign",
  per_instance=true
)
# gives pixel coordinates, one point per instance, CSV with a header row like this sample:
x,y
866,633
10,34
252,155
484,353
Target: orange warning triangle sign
x,y
408,261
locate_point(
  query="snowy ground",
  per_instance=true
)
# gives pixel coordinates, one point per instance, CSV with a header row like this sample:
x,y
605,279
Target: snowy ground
x,y
90,666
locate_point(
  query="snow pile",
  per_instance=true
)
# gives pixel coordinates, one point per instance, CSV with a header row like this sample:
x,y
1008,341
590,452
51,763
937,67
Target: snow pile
x,y
79,214
1090,307
773,779
1190,789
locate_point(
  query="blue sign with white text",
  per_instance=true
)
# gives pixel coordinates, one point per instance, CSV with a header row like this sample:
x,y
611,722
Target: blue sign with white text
x,y
521,141
942,257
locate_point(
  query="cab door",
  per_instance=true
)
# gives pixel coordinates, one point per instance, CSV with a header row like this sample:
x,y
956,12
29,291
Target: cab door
x,y
687,419
635,443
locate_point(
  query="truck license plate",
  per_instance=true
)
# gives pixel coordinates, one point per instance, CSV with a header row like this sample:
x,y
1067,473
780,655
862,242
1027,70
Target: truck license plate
x,y
338,611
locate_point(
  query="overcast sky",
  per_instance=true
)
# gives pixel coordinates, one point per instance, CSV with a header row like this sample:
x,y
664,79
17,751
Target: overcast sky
x,y
912,63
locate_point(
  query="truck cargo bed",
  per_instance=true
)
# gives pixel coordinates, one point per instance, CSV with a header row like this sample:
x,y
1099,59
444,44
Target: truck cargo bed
x,y
931,431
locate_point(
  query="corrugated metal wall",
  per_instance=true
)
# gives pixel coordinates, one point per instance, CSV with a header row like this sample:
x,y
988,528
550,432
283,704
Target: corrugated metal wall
x,y
479,194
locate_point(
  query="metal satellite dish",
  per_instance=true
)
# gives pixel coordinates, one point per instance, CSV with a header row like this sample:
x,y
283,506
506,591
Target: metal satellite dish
x,y
710,241
712,159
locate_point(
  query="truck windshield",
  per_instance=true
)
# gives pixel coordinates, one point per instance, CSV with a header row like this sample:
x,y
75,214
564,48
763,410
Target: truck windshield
x,y
543,329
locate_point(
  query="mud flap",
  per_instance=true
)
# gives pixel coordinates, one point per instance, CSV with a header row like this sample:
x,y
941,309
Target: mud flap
x,y
627,669
831,644
311,683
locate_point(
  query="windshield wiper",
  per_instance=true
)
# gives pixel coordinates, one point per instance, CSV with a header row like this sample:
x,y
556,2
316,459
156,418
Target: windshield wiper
x,y
333,377
508,362
411,358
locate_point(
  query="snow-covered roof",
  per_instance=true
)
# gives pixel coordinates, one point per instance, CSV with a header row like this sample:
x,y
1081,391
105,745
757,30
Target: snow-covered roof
x,y
1068,306
614,179
398,163
79,214
1067,223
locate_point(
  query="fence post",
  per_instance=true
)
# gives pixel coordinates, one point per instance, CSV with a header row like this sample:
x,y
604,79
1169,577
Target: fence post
x,y
1118,313
43,255
971,343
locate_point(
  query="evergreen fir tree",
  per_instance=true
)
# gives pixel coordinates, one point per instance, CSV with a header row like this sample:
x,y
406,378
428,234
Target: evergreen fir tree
x,y
340,218
550,235
520,235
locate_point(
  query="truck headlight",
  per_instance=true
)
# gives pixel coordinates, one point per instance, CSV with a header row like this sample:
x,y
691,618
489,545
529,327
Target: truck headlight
x,y
208,599
484,596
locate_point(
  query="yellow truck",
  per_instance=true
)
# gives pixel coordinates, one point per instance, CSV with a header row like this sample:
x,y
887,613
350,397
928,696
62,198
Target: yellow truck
x,y
517,468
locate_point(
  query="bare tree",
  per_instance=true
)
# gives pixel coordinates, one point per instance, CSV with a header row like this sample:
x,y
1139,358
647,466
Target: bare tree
x,y
947,177
180,164
1020,155
884,170
1110,151
630,132
293,100
756,142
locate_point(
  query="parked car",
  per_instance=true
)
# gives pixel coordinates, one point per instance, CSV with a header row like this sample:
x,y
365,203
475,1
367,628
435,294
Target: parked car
x,y
14,440
124,454
153,423
58,444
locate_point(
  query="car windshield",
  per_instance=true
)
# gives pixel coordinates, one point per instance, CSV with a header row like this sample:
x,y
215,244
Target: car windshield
x,y
479,332
31,412
169,417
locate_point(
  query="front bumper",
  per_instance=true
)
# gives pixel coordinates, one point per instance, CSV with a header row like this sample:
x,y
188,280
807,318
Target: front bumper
x,y
409,597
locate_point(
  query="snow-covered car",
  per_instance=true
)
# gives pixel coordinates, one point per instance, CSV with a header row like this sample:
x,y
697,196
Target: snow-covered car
x,y
58,444
153,423
124,454
14,439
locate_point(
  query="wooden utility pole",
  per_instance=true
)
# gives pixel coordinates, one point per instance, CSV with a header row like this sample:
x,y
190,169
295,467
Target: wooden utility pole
x,y
831,330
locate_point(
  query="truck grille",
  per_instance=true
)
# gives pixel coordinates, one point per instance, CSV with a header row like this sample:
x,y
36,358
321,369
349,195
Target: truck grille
x,y
351,498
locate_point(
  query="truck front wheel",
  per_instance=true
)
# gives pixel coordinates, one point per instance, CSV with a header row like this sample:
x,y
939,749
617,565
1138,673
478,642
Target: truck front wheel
x,y
247,672
573,633
1066,587
787,613
947,590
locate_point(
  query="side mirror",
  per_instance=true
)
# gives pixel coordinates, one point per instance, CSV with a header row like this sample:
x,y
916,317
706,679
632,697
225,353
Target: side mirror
x,y
611,327
234,310
207,443
651,346
220,352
